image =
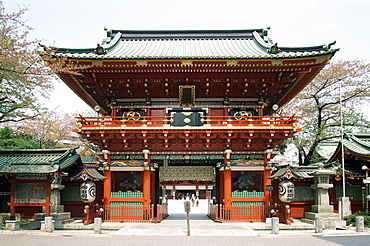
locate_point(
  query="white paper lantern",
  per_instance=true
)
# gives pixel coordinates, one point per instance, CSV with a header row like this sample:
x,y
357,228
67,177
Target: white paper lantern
x,y
286,191
87,191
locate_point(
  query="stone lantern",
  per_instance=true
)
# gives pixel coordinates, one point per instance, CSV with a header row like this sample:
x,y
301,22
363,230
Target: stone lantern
x,y
322,208
321,187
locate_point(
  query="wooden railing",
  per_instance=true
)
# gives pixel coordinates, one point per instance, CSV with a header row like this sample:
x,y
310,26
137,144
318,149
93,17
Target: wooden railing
x,y
160,121
237,213
123,213
213,212
162,212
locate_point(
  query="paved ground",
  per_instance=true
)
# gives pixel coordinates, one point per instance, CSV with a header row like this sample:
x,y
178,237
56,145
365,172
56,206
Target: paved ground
x,y
174,228
24,240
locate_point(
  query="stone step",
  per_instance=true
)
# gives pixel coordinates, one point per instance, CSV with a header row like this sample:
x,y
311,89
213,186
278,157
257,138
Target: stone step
x,y
331,221
308,221
61,216
312,215
59,224
58,216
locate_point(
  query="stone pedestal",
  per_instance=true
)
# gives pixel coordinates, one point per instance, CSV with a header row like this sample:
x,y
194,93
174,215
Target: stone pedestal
x,y
322,208
275,225
268,221
97,225
12,225
360,224
318,225
48,224
344,206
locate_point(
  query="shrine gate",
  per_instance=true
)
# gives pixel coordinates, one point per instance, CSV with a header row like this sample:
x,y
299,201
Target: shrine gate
x,y
189,112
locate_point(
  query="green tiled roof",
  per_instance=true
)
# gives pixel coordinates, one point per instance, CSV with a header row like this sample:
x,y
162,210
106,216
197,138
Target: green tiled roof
x,y
298,171
36,161
209,44
91,172
358,144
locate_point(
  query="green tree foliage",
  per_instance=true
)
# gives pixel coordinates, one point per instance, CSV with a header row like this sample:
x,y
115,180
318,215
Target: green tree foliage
x,y
318,106
11,140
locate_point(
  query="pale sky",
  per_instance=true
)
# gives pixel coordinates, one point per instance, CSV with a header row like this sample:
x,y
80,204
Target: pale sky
x,y
80,24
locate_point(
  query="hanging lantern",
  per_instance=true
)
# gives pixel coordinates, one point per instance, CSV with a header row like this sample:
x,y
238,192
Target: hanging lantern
x,y
286,191
87,191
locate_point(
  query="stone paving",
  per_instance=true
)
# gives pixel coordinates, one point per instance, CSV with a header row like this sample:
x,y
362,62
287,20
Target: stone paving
x,y
200,226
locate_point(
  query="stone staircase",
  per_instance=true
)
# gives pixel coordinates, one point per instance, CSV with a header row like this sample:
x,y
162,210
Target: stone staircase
x,y
331,221
60,219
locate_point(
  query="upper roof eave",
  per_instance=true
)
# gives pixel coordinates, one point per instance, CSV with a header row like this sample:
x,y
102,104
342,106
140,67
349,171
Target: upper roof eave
x,y
218,58
227,45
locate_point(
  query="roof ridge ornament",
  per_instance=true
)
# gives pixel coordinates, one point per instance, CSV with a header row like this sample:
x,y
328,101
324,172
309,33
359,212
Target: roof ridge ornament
x,y
99,50
328,46
274,49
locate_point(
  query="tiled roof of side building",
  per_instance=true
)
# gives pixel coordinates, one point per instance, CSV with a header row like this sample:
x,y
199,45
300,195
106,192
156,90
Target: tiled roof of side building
x,y
208,44
37,161
91,173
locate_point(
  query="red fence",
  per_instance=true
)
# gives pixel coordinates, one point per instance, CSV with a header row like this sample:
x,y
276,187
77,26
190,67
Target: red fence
x,y
128,214
123,213
162,212
237,213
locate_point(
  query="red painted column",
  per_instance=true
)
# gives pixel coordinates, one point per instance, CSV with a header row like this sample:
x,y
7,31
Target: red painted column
x,y
266,181
221,201
107,187
48,194
227,178
108,181
146,178
12,190
266,174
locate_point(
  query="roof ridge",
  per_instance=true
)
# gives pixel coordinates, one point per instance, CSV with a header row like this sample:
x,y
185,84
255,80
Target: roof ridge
x,y
359,141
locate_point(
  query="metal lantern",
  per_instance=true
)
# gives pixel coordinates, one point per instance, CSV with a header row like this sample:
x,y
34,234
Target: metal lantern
x,y
286,191
87,191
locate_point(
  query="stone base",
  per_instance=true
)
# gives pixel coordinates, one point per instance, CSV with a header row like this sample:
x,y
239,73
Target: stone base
x,y
345,206
331,221
322,208
59,220
12,225
49,228
268,221
56,209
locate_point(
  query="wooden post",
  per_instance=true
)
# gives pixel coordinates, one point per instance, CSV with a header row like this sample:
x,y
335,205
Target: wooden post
x,y
11,203
107,182
146,187
227,187
146,178
107,187
227,178
48,194
221,184
266,180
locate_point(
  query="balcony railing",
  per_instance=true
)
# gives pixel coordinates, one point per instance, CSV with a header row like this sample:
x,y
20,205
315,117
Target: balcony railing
x,y
207,121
